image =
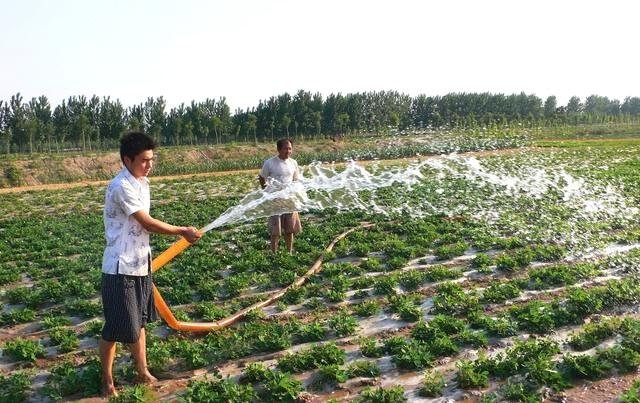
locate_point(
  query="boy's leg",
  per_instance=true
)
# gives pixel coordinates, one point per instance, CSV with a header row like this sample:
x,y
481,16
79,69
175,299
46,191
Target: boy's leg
x,y
139,354
107,355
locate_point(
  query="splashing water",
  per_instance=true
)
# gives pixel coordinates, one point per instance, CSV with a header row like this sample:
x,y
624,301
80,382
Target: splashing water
x,y
323,187
505,190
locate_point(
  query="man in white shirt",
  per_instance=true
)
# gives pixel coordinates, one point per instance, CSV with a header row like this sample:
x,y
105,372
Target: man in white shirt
x,y
283,169
127,297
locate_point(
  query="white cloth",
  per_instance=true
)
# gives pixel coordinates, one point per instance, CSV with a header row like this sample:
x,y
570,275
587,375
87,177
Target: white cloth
x,y
284,171
128,249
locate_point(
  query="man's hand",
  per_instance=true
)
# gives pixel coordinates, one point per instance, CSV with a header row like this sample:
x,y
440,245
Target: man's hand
x,y
191,234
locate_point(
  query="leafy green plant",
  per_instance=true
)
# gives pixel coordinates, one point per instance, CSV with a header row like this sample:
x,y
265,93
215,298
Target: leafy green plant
x,y
370,348
20,349
329,375
593,334
450,251
363,368
385,285
94,328
632,395
371,264
481,260
432,384
66,339
51,321
343,324
469,377
312,331
21,315
505,263
441,273
393,394
585,367
501,292
254,372
14,387
64,380
412,279
83,308
413,355
134,394
316,356
281,387
367,308
294,295
218,390
451,299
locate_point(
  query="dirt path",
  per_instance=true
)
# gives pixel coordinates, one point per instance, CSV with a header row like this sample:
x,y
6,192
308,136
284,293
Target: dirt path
x,y
59,186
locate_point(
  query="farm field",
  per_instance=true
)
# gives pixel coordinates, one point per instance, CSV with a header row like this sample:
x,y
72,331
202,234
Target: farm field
x,y
506,272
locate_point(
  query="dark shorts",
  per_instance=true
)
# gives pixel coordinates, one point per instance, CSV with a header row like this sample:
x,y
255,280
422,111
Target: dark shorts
x,y
285,223
128,306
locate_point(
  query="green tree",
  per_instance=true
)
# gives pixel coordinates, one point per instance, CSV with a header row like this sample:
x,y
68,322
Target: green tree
x,y
550,106
252,124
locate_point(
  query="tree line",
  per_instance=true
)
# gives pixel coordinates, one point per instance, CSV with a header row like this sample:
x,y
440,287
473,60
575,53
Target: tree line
x,y
82,123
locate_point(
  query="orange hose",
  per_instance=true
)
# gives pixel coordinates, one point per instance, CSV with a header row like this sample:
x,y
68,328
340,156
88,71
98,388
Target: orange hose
x,y
182,244
166,256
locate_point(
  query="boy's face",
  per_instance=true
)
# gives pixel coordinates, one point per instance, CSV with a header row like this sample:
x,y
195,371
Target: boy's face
x,y
285,151
141,165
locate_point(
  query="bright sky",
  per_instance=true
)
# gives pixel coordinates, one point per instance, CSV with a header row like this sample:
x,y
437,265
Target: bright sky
x,y
253,49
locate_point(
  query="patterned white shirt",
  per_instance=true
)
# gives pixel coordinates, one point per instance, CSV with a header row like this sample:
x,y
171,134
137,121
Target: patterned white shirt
x,y
128,249
284,171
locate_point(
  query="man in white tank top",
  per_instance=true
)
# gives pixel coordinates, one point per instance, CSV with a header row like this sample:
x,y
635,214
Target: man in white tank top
x,y
285,170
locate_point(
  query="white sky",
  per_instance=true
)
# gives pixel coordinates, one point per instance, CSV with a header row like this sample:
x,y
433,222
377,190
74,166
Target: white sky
x,y
250,50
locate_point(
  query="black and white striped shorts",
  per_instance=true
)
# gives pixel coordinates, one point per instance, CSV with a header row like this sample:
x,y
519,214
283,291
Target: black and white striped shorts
x,y
127,302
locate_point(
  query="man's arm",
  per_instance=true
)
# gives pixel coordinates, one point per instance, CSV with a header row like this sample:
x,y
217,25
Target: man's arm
x,y
151,224
263,181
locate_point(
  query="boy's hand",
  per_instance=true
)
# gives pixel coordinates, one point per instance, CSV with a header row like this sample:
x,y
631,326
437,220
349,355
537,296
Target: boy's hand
x,y
191,234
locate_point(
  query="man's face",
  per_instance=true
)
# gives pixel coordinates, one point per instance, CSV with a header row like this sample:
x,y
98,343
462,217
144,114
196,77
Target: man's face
x,y
141,165
285,151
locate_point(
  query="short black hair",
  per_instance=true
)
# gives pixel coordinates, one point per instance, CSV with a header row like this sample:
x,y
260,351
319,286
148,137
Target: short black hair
x,y
134,142
280,143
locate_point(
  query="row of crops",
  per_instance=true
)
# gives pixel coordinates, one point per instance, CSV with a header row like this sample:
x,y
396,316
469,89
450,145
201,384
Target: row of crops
x,y
500,276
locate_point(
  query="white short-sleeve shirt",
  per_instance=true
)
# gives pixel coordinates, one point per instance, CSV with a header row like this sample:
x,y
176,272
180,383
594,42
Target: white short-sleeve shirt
x,y
284,171
128,250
